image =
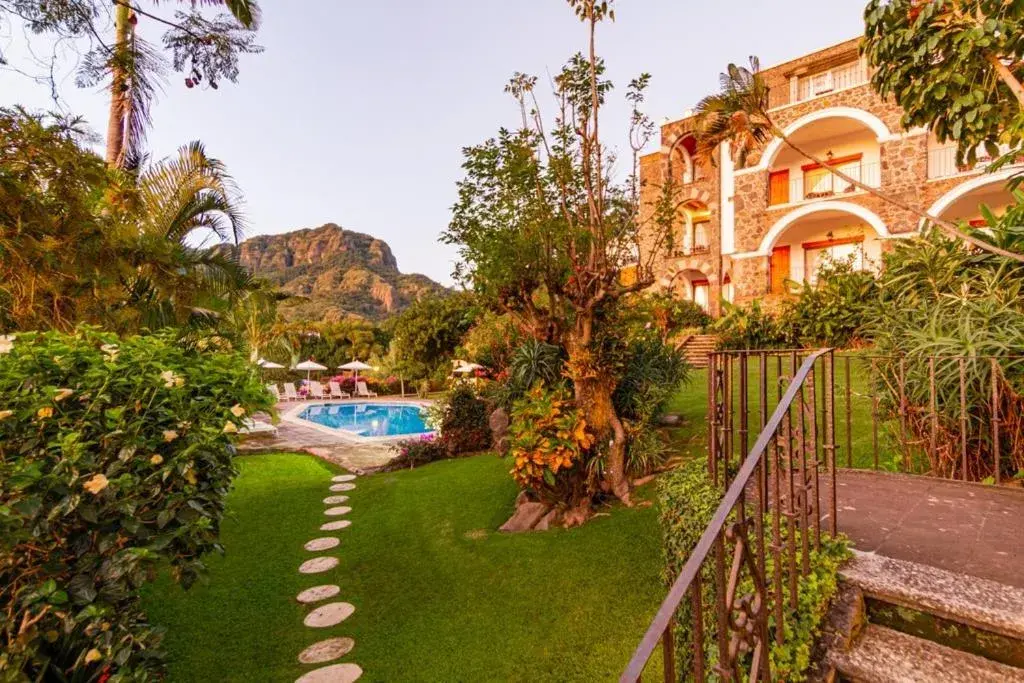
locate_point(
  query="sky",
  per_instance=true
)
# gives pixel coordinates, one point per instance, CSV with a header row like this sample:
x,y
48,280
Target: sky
x,y
357,112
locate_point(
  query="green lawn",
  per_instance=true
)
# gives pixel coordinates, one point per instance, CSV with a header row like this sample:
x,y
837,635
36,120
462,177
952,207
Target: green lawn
x,y
854,436
439,594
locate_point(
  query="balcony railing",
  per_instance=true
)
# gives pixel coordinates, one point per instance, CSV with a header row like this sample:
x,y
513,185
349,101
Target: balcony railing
x,y
693,250
822,184
815,85
942,161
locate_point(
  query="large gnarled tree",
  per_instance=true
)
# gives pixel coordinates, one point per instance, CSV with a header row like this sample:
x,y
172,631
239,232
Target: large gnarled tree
x,y
545,231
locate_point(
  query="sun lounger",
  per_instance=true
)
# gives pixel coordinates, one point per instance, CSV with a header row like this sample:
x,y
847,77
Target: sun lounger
x,y
272,388
316,390
290,394
336,391
362,391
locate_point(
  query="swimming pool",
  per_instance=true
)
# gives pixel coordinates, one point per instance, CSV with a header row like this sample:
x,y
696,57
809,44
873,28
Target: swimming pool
x,y
368,419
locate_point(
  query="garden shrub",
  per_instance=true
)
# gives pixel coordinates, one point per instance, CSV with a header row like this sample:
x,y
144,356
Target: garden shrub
x,y
463,421
837,310
115,459
417,451
548,437
665,313
749,327
689,500
532,362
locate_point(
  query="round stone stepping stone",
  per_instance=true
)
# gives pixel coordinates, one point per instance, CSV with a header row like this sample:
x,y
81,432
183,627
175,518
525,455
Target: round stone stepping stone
x,y
317,593
344,477
338,511
335,500
318,564
327,650
325,543
336,525
335,673
331,614
342,487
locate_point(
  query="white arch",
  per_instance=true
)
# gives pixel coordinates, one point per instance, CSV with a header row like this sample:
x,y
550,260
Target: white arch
x,y
875,124
961,190
780,226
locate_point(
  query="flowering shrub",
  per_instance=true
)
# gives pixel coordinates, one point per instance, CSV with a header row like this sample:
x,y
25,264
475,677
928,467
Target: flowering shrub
x,y
115,459
417,451
462,419
548,435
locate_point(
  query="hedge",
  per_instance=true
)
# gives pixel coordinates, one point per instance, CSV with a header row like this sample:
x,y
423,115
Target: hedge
x,y
115,460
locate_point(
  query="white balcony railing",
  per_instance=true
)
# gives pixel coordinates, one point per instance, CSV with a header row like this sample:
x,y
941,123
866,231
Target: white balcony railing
x,y
823,184
942,161
814,85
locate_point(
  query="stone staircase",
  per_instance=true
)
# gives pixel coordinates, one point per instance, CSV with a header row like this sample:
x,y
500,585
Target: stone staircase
x,y
902,621
696,348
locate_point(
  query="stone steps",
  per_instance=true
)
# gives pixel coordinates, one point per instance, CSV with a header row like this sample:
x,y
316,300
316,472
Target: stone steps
x,y
882,655
927,624
697,347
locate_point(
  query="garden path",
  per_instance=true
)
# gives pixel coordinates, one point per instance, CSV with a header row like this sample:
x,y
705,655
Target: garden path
x,y
960,527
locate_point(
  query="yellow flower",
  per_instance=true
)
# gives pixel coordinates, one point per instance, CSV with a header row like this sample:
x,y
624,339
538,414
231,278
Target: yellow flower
x,y
61,395
44,412
96,484
6,343
93,655
156,460
190,476
170,435
237,410
4,414
230,428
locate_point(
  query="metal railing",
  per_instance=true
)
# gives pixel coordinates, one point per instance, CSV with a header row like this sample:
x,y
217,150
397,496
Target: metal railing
x,y
942,161
775,484
823,184
955,417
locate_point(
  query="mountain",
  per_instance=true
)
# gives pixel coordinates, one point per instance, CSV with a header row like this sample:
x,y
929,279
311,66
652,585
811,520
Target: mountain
x,y
340,273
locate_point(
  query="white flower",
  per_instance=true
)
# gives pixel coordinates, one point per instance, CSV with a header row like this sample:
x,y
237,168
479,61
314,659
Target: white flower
x,y
171,380
61,395
6,343
170,435
111,351
156,459
237,410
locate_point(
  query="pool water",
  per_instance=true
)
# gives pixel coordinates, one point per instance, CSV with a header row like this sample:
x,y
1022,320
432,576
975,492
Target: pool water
x,y
369,419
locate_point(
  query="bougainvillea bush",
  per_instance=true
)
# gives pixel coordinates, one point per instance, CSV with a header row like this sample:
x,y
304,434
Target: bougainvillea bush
x,y
115,459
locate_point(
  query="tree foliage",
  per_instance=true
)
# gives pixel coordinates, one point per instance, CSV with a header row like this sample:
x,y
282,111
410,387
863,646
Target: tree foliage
x,y
429,331
953,66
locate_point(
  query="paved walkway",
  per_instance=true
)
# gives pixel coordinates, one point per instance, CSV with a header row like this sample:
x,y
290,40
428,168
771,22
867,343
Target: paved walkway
x,y
967,528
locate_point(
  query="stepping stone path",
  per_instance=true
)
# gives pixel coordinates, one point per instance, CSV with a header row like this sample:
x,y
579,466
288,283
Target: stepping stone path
x,y
325,543
332,613
327,650
335,673
318,565
317,593
335,500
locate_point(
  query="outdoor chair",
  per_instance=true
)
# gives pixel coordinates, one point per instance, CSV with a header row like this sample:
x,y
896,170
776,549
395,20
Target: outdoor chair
x,y
362,391
290,394
272,388
316,390
336,391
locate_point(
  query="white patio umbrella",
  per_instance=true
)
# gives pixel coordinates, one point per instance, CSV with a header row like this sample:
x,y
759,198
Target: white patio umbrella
x,y
309,366
355,366
269,364
465,368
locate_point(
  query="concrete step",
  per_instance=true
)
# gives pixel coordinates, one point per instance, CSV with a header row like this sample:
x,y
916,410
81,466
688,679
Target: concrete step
x,y
976,602
882,655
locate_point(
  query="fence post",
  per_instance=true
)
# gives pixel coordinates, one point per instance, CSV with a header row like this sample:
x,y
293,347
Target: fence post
x,y
830,431
849,416
933,438
963,418
995,416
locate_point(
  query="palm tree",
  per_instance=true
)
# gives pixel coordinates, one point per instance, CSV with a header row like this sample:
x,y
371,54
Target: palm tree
x,y
180,204
739,115
133,65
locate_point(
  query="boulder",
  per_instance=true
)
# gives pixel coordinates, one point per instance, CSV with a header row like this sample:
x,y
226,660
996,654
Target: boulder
x,y
552,519
670,420
526,516
498,423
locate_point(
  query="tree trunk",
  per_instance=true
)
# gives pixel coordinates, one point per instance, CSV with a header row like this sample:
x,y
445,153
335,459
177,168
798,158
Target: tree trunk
x,y
118,87
594,399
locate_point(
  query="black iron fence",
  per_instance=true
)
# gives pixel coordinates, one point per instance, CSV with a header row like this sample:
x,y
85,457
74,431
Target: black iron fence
x,y
778,495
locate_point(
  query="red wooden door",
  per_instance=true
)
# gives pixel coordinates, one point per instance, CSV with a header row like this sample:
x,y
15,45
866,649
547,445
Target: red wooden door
x,y
779,269
778,187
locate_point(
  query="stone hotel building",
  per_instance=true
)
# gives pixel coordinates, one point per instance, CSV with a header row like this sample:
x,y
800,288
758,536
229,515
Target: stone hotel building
x,y
743,232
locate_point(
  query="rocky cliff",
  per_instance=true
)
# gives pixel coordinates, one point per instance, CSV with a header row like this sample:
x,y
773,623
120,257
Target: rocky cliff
x,y
337,272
